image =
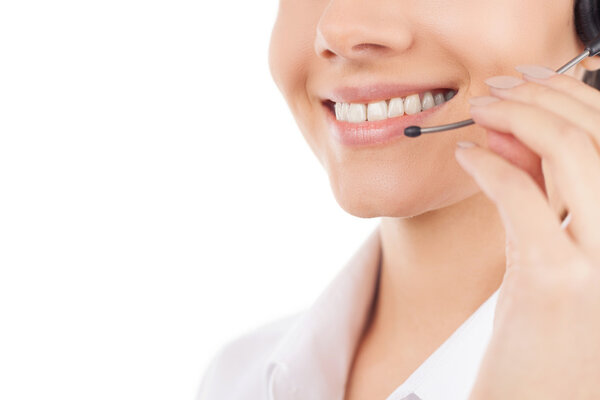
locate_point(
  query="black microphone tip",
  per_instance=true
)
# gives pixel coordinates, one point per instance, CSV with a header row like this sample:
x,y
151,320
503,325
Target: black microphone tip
x,y
412,131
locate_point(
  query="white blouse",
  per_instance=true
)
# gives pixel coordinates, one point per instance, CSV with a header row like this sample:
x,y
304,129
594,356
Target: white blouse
x,y
307,355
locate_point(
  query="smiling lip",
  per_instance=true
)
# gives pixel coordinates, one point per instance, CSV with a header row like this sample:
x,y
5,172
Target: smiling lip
x,y
375,132
381,91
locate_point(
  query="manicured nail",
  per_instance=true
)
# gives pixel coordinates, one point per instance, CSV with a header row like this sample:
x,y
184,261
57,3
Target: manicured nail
x,y
465,144
504,81
482,100
535,71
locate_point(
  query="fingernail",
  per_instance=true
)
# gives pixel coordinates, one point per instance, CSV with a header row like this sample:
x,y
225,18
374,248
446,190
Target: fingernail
x,y
482,100
535,71
504,81
465,144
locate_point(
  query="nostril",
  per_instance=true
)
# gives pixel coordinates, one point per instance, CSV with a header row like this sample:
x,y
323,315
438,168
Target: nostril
x,y
327,54
322,48
367,46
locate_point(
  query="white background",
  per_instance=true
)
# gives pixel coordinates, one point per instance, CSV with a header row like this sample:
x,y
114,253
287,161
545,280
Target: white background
x,y
156,196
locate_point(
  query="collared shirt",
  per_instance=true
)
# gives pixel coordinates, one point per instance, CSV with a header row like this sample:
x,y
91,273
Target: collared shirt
x,y
308,355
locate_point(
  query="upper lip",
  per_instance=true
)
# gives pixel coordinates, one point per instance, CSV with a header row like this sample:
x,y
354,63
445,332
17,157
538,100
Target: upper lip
x,y
380,91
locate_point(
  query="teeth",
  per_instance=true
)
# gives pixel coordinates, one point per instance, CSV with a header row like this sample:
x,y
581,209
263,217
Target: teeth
x,y
357,112
377,111
338,111
412,104
427,101
397,106
345,108
341,111
438,98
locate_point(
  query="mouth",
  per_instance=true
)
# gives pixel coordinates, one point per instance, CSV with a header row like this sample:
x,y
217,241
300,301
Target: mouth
x,y
375,121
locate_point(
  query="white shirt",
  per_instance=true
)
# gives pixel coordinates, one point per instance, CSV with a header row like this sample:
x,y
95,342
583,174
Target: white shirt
x,y
307,355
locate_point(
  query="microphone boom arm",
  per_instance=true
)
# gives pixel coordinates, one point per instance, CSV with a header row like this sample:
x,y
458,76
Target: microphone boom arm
x,y
414,131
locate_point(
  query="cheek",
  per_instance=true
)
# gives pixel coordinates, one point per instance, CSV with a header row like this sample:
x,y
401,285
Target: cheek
x,y
291,61
290,50
512,149
277,55
490,37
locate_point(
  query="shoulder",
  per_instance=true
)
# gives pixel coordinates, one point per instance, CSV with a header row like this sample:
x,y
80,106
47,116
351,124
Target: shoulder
x,y
236,370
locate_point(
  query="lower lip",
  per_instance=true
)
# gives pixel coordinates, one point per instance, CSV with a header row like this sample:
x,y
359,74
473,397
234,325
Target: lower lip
x,y
376,132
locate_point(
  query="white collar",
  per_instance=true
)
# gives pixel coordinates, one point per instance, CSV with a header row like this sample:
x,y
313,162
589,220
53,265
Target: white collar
x,y
312,360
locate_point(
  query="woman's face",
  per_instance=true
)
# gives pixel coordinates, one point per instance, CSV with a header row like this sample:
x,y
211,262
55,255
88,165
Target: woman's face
x,y
320,47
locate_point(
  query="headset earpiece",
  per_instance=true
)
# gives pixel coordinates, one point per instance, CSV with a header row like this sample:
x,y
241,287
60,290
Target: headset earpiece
x,y
587,19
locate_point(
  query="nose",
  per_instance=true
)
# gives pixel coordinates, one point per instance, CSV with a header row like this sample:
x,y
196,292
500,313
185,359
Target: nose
x,y
360,30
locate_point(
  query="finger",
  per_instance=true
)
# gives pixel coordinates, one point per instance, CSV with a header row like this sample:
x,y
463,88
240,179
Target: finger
x,y
575,110
532,229
571,157
563,83
513,150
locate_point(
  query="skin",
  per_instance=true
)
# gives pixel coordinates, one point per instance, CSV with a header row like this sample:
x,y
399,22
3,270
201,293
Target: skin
x,y
439,261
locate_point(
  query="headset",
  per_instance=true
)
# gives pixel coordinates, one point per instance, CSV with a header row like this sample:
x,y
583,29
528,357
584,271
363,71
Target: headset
x,y
587,19
587,25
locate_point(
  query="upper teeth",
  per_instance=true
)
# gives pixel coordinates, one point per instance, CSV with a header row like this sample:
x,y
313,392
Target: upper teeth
x,y
357,112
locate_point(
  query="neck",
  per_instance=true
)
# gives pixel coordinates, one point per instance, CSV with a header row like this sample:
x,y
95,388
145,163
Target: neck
x,y
437,268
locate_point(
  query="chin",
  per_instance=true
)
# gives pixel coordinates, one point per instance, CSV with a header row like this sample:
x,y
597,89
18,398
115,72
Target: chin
x,y
376,198
399,195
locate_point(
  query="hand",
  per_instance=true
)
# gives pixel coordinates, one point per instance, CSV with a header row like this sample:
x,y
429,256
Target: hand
x,y
546,337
